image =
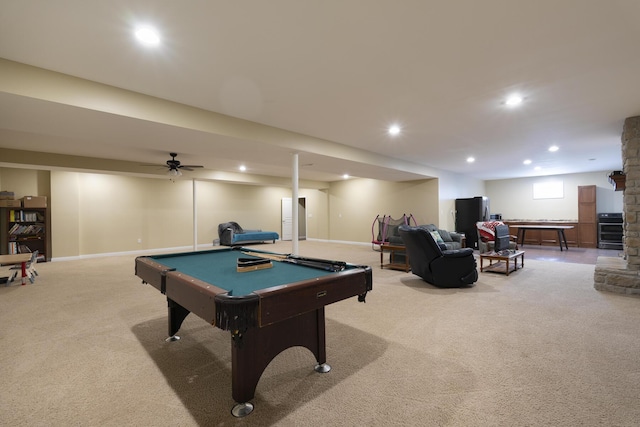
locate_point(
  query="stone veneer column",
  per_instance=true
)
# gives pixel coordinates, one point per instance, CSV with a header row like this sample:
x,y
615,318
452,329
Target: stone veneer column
x,y
631,167
616,274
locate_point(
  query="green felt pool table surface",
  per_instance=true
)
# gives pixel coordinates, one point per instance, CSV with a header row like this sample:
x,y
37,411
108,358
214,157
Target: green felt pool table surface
x,y
218,268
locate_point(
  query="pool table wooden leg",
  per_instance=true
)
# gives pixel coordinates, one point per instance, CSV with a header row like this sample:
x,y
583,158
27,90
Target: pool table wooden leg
x,y
259,346
177,314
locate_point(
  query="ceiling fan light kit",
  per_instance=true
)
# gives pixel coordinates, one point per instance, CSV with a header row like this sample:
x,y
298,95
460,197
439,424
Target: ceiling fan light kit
x,y
175,167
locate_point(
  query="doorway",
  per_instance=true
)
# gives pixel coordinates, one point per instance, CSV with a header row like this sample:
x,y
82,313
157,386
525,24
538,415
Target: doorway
x,y
287,220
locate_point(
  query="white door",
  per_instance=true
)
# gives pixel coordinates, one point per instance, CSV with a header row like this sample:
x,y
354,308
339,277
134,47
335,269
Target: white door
x,y
287,219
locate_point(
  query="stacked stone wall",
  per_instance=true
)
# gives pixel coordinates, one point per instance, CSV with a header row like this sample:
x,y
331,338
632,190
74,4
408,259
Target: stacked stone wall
x,y
617,274
631,166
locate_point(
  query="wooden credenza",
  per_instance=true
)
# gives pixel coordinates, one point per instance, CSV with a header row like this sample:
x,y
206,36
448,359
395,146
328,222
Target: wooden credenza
x,y
545,237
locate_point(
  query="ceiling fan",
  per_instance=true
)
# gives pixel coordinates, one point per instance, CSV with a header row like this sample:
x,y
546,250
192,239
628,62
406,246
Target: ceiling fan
x,y
175,167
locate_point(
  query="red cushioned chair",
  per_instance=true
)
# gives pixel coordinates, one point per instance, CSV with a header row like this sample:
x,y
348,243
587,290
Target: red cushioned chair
x,y
487,236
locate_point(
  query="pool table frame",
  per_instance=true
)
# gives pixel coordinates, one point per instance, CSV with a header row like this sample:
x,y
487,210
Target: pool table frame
x,y
263,323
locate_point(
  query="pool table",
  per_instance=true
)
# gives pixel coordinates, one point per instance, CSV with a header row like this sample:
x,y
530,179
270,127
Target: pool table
x,y
267,310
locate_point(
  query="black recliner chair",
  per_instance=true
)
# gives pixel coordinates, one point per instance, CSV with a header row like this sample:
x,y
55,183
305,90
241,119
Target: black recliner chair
x,y
441,267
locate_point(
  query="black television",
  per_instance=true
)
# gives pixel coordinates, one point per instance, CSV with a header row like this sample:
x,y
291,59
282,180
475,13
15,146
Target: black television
x,y
502,238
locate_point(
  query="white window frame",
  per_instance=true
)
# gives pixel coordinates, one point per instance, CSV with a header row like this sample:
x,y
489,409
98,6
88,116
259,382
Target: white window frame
x,y
548,190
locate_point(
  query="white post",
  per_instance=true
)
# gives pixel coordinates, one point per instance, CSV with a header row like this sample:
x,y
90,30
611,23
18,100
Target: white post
x,y
195,218
294,205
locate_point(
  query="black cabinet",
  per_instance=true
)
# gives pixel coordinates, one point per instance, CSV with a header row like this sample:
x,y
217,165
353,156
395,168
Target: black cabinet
x,y
468,212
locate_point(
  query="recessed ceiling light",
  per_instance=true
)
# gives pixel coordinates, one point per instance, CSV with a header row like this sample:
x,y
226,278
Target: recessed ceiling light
x,y
537,168
345,176
148,36
513,100
526,162
554,148
394,130
470,159
242,168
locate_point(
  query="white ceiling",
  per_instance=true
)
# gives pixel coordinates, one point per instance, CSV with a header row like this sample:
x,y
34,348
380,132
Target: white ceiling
x,y
339,72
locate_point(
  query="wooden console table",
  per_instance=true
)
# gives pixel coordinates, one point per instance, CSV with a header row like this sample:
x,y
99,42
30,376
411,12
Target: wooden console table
x,y
403,266
558,228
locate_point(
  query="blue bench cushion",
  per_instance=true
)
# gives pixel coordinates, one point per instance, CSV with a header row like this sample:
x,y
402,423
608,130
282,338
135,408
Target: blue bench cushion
x,y
255,236
231,233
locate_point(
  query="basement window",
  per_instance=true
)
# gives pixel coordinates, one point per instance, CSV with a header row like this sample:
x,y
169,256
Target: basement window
x,y
548,190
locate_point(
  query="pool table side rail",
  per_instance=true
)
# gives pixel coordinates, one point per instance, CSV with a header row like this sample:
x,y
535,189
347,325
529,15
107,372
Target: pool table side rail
x,y
152,272
283,302
185,290
196,295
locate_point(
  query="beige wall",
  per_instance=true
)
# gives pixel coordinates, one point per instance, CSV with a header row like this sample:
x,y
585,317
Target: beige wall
x,y
513,198
65,205
104,213
101,213
254,207
355,203
25,182
452,187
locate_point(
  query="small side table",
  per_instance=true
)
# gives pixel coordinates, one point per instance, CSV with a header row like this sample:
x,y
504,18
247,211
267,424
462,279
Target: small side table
x,y
393,265
502,259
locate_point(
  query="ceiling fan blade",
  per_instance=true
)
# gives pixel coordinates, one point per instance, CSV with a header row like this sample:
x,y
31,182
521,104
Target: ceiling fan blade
x,y
190,166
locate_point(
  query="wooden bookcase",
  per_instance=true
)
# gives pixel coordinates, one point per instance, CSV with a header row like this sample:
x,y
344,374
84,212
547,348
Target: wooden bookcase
x,y
25,230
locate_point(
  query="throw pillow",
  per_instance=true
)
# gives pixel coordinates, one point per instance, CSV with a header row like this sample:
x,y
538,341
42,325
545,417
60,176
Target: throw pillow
x,y
445,235
487,230
437,237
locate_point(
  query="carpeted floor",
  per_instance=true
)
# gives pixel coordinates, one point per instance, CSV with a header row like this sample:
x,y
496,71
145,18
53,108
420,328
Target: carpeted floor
x,y
84,345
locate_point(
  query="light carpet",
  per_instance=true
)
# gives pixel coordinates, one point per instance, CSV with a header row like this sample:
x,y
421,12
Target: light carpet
x,y
84,345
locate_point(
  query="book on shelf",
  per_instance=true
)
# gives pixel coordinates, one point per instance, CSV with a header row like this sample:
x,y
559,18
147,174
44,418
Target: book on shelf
x,y
25,216
21,229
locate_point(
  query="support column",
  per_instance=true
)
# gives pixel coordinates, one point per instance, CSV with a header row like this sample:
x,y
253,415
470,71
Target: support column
x,y
631,168
195,216
294,205
617,274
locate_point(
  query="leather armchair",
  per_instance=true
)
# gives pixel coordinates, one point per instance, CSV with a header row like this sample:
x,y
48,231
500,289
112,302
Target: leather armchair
x,y
445,268
451,239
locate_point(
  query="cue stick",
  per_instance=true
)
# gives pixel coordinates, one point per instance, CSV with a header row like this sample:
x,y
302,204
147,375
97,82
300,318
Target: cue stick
x,y
243,269
320,264
275,257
